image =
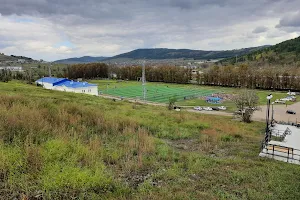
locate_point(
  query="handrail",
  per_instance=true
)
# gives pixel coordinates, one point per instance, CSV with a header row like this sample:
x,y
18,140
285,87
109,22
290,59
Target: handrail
x,y
291,151
280,133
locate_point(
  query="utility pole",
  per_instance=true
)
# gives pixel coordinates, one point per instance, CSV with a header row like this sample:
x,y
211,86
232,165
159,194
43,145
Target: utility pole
x,y
144,81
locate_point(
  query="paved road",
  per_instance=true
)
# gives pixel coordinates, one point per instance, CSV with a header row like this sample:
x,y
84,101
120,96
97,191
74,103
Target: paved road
x,y
222,113
260,115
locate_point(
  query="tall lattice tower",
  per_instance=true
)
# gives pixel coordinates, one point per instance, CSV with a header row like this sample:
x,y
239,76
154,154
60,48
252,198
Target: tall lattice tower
x,y
144,81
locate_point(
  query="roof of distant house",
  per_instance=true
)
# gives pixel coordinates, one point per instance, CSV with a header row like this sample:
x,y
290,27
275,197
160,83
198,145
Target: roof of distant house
x,y
74,84
50,79
65,82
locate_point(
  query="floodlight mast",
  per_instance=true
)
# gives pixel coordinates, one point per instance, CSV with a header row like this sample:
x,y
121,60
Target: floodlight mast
x,y
144,80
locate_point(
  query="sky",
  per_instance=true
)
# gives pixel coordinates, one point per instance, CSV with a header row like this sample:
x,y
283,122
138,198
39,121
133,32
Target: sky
x,y
57,29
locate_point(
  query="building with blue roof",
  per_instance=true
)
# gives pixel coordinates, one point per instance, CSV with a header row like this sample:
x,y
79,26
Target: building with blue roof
x,y
67,85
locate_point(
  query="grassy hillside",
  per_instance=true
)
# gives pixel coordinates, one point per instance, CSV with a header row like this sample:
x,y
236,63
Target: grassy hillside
x,y
56,145
287,52
163,53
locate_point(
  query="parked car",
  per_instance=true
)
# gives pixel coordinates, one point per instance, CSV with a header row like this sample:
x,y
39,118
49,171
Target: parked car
x,y
239,112
197,108
177,108
289,98
215,108
285,99
207,108
222,108
291,112
279,101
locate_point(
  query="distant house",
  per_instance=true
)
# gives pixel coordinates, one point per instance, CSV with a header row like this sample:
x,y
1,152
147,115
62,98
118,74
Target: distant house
x,y
12,68
64,84
21,60
194,72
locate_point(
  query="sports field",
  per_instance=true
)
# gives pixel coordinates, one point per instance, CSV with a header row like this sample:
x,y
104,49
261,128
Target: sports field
x,y
158,93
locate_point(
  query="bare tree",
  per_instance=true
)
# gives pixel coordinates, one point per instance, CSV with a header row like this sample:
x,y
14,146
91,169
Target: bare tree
x,y
247,102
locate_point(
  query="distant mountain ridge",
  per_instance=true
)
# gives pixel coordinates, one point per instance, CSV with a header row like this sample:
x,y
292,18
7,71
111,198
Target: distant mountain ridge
x,y
84,59
164,53
287,52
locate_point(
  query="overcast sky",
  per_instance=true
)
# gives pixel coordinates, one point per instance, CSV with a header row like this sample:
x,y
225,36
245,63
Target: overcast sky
x,y
55,29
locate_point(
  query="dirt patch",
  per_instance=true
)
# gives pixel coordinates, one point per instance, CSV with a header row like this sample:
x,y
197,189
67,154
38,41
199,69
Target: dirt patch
x,y
134,179
183,144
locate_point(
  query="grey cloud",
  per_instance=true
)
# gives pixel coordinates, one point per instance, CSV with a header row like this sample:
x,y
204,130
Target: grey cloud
x,y
260,29
291,20
128,24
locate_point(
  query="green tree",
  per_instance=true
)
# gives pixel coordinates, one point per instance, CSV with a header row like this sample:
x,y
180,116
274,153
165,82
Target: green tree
x,y
172,102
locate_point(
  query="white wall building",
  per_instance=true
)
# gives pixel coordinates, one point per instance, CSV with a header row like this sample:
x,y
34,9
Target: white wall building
x,y
63,84
13,68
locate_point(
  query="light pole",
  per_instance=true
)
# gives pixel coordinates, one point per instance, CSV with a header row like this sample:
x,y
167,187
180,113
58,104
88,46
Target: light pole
x,y
267,135
272,112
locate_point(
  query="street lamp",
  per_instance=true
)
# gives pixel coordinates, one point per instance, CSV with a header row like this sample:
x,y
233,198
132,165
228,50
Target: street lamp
x,y
267,135
272,112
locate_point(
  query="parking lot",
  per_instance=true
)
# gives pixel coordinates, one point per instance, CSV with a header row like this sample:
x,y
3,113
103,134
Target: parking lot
x,y
279,113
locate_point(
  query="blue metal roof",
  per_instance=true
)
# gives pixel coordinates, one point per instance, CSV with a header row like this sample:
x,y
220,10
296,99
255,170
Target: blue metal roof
x,y
74,84
65,82
51,80
213,98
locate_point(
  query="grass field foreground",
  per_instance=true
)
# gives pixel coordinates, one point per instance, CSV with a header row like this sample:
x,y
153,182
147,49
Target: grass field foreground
x,y
57,145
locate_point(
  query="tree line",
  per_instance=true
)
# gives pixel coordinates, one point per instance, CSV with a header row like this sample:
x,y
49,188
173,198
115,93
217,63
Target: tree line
x,y
5,75
166,74
87,71
163,73
275,78
268,77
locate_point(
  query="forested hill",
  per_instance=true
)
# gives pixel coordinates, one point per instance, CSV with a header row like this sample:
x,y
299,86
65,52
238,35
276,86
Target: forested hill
x,y
163,53
84,59
6,58
284,53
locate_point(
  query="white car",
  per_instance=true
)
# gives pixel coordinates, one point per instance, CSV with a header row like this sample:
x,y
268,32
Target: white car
x,y
279,101
197,108
222,108
207,108
286,99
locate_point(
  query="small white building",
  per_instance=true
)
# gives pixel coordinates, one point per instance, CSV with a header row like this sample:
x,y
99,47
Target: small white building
x,y
64,84
13,68
21,60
